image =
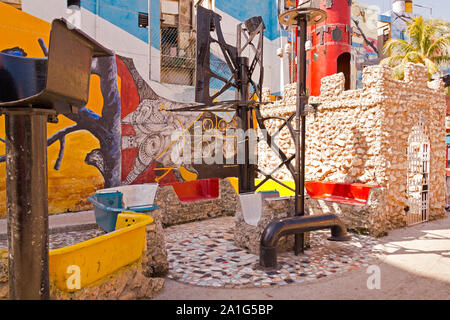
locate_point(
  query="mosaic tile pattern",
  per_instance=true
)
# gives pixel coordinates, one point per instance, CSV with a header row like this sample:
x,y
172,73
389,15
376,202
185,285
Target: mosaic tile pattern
x,y
64,239
203,254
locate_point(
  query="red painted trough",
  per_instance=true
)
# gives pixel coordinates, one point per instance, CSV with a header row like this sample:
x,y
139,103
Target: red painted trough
x,y
188,191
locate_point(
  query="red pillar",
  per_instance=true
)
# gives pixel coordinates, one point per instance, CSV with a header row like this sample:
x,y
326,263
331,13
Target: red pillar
x,y
331,45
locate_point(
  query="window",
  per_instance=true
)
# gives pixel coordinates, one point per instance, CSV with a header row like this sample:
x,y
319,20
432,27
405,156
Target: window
x,y
343,65
73,3
143,20
177,42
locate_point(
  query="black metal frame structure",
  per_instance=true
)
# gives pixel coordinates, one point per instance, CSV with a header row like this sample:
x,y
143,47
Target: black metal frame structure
x,y
306,13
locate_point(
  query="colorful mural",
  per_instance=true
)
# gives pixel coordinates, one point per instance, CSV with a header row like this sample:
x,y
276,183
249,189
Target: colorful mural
x,y
148,124
22,30
124,135
365,29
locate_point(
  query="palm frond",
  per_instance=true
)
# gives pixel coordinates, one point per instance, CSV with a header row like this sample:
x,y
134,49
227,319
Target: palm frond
x,y
428,43
413,56
443,61
398,72
440,46
415,31
392,61
398,47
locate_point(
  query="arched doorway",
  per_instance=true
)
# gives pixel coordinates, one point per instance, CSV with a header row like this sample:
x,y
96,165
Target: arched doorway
x,y
343,65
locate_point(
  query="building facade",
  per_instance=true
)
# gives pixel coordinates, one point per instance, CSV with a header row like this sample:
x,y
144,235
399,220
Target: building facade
x,y
153,72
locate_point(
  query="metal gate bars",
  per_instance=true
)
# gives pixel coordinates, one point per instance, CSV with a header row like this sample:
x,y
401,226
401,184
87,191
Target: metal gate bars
x,y
417,190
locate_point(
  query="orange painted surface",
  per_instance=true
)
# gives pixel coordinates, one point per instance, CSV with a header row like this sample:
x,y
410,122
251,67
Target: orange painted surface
x,y
69,186
196,190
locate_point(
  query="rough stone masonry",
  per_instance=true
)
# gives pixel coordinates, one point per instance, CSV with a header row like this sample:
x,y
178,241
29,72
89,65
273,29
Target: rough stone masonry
x,y
363,136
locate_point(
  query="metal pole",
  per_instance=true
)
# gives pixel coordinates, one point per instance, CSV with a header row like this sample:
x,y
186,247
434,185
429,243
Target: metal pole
x,y
27,203
246,172
300,123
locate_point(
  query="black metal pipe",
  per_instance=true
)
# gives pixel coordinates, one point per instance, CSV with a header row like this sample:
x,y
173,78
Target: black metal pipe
x,y
246,170
297,225
301,130
27,203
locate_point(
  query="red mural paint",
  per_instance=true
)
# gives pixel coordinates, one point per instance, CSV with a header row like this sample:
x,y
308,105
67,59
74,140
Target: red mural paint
x,y
129,96
129,99
127,130
331,45
129,103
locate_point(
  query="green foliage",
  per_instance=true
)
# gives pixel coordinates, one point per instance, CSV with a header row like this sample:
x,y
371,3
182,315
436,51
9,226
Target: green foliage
x,y
428,43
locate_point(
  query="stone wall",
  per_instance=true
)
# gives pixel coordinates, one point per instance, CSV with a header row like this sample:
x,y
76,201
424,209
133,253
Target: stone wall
x,y
248,237
361,136
368,219
173,211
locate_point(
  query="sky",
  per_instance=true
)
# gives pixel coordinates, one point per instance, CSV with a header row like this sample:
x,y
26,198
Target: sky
x,y
440,9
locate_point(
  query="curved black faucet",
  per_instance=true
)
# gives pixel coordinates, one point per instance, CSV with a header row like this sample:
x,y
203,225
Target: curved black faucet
x,y
297,225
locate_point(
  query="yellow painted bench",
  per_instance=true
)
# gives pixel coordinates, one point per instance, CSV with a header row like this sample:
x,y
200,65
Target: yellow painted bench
x,y
268,186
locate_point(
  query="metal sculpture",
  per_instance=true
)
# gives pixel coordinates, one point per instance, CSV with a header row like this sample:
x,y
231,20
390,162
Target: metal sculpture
x,y
34,91
250,30
241,70
306,13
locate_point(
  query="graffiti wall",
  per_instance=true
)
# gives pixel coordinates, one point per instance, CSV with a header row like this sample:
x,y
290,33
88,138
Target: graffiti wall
x,y
67,170
364,38
149,147
124,135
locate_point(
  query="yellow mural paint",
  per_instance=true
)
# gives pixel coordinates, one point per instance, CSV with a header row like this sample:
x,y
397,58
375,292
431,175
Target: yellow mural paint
x,y
20,29
187,175
75,180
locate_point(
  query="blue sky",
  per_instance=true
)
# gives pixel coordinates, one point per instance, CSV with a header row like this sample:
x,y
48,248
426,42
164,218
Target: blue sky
x,y
440,9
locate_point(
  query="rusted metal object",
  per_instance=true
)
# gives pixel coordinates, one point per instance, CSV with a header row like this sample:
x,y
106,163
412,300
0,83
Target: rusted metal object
x,y
27,203
306,13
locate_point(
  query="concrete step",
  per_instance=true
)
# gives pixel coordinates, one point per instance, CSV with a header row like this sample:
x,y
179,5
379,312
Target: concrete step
x,y
72,221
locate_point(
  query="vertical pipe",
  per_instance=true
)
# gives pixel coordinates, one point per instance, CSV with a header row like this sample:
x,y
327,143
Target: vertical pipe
x,y
149,4
27,205
246,172
300,127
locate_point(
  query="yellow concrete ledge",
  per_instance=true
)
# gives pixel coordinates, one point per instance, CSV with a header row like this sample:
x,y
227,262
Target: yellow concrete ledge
x,y
268,186
97,258
80,265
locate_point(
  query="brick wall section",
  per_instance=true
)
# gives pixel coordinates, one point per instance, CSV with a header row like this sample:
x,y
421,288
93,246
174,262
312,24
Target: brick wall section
x,y
173,211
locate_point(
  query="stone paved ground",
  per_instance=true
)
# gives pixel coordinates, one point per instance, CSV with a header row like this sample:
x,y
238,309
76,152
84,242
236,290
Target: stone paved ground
x,y
63,239
203,254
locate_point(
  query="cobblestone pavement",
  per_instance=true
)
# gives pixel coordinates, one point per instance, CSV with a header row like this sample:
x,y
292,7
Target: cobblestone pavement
x,y
203,254
64,239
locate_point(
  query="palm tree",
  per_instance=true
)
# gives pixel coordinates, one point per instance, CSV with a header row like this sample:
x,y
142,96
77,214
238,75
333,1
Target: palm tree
x,y
428,43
